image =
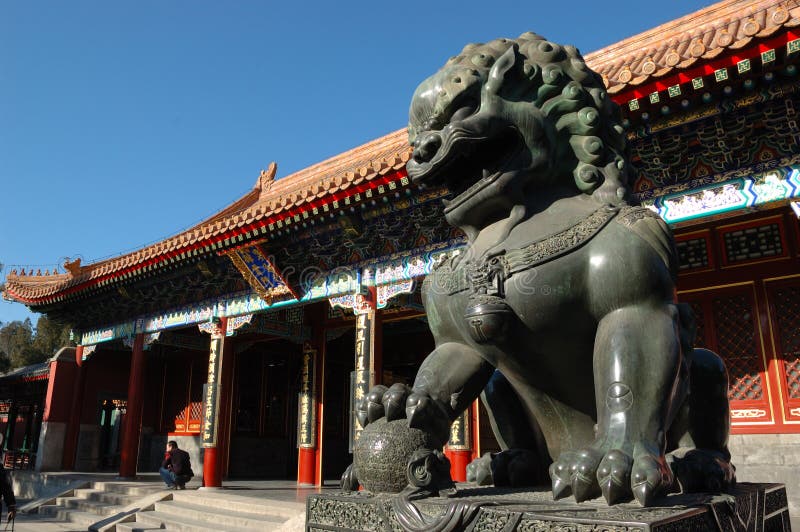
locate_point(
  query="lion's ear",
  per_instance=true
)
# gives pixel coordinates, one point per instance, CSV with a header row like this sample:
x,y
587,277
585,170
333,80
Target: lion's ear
x,y
503,69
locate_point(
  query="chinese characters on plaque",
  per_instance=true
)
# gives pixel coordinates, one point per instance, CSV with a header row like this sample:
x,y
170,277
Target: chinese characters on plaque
x,y
306,404
360,382
211,399
459,433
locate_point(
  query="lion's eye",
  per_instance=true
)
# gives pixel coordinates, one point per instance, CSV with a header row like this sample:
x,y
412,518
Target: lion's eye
x,y
463,112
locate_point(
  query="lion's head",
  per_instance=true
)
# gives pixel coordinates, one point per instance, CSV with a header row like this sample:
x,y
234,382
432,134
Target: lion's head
x,y
506,120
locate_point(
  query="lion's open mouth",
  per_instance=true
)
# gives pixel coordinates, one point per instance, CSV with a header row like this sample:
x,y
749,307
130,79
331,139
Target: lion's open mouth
x,y
468,164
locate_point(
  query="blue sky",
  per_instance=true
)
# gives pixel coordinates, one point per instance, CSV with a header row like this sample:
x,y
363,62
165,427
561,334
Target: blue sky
x,y
122,123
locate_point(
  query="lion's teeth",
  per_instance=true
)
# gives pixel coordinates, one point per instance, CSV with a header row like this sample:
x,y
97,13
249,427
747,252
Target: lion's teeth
x,y
446,202
486,173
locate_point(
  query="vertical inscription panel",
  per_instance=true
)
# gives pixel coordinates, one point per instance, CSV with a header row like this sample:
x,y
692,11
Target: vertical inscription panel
x,y
211,398
362,375
460,433
307,403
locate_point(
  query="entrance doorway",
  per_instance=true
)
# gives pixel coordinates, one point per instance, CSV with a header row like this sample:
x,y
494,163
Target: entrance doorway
x,y
264,417
111,415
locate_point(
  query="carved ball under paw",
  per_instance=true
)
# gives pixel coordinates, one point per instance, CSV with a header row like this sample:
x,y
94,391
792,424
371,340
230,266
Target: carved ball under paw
x,y
382,452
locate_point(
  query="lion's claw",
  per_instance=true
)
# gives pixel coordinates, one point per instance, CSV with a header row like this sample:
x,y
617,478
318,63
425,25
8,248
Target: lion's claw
x,y
644,493
374,402
400,402
649,478
560,477
584,476
394,401
426,414
370,408
614,477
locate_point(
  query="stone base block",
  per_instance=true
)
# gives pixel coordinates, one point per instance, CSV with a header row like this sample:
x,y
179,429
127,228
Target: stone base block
x,y
748,507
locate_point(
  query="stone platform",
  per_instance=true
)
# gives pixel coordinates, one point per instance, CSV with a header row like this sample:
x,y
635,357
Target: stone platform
x,y
748,507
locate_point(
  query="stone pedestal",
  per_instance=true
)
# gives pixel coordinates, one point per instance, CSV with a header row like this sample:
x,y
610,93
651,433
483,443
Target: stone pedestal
x,y
748,507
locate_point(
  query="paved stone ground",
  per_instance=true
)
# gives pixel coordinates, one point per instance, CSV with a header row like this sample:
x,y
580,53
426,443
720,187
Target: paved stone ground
x,y
276,490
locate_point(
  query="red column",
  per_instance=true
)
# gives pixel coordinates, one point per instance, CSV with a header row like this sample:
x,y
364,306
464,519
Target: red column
x,y
376,321
74,420
309,459
214,411
132,426
459,460
225,406
476,429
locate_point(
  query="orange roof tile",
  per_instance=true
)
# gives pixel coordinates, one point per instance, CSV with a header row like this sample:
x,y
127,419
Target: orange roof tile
x,y
699,36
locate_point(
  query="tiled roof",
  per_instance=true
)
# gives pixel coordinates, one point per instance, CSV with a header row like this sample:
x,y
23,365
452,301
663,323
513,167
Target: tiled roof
x,y
700,36
381,157
27,373
671,47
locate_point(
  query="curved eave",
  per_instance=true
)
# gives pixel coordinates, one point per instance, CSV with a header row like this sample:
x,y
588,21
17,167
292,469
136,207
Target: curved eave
x,y
367,167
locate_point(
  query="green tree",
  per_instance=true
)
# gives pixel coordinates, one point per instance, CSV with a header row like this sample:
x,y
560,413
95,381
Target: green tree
x,y
49,337
5,362
16,340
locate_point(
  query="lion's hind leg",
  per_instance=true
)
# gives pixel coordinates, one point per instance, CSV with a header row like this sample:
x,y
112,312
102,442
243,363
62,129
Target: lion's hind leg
x,y
523,460
702,460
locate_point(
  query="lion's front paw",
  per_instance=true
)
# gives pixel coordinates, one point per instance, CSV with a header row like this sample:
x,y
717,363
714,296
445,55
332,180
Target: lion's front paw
x,y
616,475
381,401
398,402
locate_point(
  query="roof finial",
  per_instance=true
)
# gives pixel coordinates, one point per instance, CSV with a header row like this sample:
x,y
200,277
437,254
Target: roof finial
x,y
266,178
74,267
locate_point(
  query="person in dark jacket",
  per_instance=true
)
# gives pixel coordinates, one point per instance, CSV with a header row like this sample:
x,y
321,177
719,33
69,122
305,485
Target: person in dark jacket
x,y
6,490
8,493
176,469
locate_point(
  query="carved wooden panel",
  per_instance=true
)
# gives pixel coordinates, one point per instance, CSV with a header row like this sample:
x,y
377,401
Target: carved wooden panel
x,y
727,323
785,314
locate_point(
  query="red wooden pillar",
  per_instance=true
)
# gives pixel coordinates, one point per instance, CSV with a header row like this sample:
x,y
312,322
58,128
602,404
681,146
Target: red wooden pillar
x,y
376,321
225,405
310,421
475,431
132,426
74,422
214,415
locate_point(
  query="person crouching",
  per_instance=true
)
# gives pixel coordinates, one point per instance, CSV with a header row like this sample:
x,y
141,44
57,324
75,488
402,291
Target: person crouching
x,y
176,469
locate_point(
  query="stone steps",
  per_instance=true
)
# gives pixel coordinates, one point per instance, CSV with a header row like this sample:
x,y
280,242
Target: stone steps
x,y
239,503
205,511
100,505
70,515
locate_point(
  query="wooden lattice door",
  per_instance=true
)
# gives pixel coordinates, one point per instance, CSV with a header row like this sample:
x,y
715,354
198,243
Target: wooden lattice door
x,y
727,323
784,299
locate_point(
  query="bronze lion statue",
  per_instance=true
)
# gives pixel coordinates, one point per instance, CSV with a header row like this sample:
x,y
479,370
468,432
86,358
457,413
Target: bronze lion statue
x,y
561,310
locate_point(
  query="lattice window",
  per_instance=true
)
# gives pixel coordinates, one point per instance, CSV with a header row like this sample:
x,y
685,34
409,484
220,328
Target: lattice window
x,y
180,421
787,307
753,243
733,316
195,416
294,315
692,253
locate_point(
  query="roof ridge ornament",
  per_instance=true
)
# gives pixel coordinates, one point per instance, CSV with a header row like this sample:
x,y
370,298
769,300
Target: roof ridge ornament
x,y
73,267
266,178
